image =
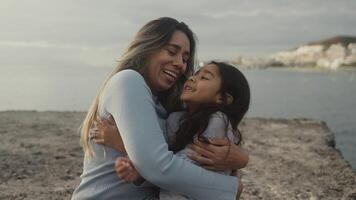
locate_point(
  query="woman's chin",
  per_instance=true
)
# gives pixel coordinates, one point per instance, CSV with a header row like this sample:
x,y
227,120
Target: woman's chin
x,y
163,88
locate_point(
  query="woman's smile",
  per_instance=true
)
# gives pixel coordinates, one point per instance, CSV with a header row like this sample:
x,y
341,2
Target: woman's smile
x,y
167,64
170,75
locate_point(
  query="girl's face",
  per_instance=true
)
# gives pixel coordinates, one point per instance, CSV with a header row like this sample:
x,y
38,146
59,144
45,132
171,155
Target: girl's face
x,y
203,87
166,65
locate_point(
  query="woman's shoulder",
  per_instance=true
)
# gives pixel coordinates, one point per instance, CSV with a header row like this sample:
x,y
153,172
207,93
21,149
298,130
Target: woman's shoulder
x,y
126,85
127,75
127,79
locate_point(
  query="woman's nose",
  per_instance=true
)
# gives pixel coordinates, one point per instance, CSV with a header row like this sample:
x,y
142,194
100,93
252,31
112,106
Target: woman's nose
x,y
180,64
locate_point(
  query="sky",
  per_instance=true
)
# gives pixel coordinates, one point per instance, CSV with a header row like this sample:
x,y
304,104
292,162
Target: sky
x,y
80,33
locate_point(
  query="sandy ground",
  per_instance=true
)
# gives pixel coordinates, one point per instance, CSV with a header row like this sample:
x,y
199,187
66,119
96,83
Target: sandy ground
x,y
40,158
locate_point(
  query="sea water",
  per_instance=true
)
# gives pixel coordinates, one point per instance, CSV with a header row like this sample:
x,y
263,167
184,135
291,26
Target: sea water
x,y
276,93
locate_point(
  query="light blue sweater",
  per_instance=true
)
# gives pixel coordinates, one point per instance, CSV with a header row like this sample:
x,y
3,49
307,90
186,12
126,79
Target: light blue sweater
x,y
130,101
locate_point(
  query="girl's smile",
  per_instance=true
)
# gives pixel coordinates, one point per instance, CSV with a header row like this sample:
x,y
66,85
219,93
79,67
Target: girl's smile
x,y
203,87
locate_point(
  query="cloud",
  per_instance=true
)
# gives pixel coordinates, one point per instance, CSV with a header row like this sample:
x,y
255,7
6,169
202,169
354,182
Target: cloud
x,y
227,25
44,44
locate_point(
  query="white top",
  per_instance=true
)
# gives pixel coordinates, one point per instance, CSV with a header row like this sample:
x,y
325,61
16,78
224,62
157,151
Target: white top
x,y
218,127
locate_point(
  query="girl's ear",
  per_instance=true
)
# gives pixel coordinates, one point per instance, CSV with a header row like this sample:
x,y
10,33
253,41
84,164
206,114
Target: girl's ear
x,y
229,98
219,99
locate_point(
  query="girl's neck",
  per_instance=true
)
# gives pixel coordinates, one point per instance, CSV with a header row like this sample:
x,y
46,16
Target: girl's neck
x,y
191,111
193,108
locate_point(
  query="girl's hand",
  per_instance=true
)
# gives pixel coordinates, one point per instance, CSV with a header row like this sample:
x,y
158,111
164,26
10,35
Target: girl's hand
x,y
126,171
219,154
106,133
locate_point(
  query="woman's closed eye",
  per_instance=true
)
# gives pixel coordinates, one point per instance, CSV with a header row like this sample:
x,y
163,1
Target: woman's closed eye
x,y
185,60
204,78
171,52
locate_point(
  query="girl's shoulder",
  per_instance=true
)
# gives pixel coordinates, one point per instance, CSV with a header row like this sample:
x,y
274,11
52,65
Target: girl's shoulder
x,y
219,126
175,116
219,116
172,124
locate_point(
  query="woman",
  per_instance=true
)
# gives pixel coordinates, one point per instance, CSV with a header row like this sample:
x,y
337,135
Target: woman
x,y
145,84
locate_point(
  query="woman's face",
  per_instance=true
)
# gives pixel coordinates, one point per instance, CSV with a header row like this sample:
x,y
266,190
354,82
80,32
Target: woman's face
x,y
166,65
203,87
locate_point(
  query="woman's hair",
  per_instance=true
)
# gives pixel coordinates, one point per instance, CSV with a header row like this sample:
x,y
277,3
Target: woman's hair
x,y
234,83
151,37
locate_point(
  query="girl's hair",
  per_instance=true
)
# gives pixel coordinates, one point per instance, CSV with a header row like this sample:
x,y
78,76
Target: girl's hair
x,y
233,82
151,37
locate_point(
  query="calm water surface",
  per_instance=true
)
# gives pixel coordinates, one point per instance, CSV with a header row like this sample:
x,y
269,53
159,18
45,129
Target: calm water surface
x,y
277,93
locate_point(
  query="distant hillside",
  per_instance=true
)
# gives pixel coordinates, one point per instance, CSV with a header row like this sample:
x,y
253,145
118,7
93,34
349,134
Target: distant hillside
x,y
332,53
343,40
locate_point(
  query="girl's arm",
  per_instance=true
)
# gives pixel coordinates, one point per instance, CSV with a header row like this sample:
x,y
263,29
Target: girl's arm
x,y
106,133
127,172
128,99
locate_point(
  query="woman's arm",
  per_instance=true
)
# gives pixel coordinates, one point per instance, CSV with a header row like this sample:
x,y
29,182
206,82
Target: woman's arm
x,y
128,99
214,155
219,152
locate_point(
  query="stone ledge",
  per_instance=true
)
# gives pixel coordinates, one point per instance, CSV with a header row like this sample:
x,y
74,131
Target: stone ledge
x,y
289,159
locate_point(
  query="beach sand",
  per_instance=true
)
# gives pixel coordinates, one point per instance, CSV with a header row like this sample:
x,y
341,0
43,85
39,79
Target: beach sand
x,y
289,159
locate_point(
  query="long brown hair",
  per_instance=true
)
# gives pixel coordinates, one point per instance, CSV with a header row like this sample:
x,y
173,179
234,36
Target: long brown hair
x,y
151,37
233,82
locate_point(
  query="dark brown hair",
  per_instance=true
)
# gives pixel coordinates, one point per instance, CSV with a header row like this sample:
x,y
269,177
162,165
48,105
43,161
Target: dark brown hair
x,y
233,82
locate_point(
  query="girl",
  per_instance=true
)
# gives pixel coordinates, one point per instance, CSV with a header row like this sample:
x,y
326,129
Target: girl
x,y
217,97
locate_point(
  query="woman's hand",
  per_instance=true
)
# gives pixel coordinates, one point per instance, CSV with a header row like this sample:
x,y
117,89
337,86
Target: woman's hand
x,y
219,154
106,133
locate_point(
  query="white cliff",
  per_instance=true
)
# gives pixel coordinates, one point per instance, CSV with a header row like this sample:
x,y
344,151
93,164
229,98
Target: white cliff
x,y
331,57
330,54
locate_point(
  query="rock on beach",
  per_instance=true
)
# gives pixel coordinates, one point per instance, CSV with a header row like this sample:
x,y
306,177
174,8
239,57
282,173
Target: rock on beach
x,y
40,158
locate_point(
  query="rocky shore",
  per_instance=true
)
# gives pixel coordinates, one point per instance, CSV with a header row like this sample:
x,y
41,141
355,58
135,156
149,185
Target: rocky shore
x,y
289,159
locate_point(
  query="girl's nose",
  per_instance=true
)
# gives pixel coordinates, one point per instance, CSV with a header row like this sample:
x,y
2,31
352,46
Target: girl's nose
x,y
192,78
